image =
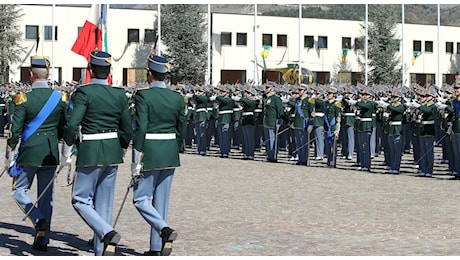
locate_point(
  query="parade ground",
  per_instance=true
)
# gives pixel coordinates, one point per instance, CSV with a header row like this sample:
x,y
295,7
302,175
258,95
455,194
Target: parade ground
x,y
233,207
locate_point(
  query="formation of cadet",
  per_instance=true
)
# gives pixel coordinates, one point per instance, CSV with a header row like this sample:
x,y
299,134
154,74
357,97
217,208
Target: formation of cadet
x,y
363,121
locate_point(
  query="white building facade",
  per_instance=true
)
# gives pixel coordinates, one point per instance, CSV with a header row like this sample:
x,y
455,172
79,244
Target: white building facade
x,y
236,45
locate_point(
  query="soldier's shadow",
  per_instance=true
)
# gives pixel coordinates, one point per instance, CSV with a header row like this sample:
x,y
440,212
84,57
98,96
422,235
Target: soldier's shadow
x,y
20,247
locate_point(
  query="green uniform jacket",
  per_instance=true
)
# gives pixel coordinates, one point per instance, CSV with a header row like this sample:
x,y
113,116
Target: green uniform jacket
x,y
300,121
318,111
348,114
226,106
430,112
366,121
273,109
249,106
159,111
99,108
333,109
454,117
201,111
41,149
395,118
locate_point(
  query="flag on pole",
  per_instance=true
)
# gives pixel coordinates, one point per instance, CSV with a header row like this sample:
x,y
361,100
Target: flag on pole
x,y
91,34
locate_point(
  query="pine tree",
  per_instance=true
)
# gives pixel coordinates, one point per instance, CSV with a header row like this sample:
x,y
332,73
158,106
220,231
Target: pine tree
x,y
183,31
383,60
10,36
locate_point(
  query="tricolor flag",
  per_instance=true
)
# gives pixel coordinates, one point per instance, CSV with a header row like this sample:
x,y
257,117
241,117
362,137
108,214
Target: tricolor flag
x,y
93,34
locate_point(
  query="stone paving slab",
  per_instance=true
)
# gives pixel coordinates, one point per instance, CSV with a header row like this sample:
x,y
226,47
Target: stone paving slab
x,y
233,207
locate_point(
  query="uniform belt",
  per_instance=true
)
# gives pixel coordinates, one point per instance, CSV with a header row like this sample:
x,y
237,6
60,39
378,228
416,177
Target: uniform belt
x,y
258,110
201,110
247,113
428,122
292,115
318,114
2,105
395,123
365,119
349,114
167,136
225,112
99,136
236,109
209,108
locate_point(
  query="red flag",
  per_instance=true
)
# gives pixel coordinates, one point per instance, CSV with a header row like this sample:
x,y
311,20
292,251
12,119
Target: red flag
x,y
90,36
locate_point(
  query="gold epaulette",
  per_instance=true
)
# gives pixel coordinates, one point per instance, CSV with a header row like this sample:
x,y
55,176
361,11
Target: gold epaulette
x,y
20,98
64,97
185,100
142,88
338,104
311,100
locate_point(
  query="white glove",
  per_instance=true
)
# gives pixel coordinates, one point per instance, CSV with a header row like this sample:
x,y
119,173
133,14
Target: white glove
x,y
442,100
441,106
407,100
383,104
189,95
415,104
384,99
449,130
339,98
136,170
213,97
236,98
284,100
409,105
351,102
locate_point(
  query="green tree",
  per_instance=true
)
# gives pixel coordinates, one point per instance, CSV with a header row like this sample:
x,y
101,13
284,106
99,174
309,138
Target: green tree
x,y
183,31
384,66
10,36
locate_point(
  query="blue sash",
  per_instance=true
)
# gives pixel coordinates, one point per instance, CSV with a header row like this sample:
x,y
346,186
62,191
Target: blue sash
x,y
456,106
33,125
329,135
300,111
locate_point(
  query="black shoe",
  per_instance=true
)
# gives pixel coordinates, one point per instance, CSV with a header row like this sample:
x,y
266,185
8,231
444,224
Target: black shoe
x,y
40,232
168,235
111,241
42,248
152,253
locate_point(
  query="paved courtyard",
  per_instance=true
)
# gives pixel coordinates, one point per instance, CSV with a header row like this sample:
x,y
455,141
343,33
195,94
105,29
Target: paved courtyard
x,y
234,207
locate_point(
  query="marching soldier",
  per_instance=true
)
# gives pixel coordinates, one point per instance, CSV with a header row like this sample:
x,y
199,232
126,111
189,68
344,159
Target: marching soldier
x,y
332,111
348,122
200,104
392,130
161,126
273,111
39,119
106,127
317,104
364,128
248,123
454,129
225,107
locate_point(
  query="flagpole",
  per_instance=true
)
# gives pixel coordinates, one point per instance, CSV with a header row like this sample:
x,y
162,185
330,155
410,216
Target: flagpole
x,y
365,48
158,50
52,44
208,74
300,43
256,78
438,76
403,72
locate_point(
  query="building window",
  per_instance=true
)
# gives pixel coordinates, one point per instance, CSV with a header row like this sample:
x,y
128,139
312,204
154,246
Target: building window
x,y
267,40
133,35
359,43
458,47
449,47
49,32
226,38
322,42
31,32
428,46
417,46
242,39
308,41
149,35
346,43
281,40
